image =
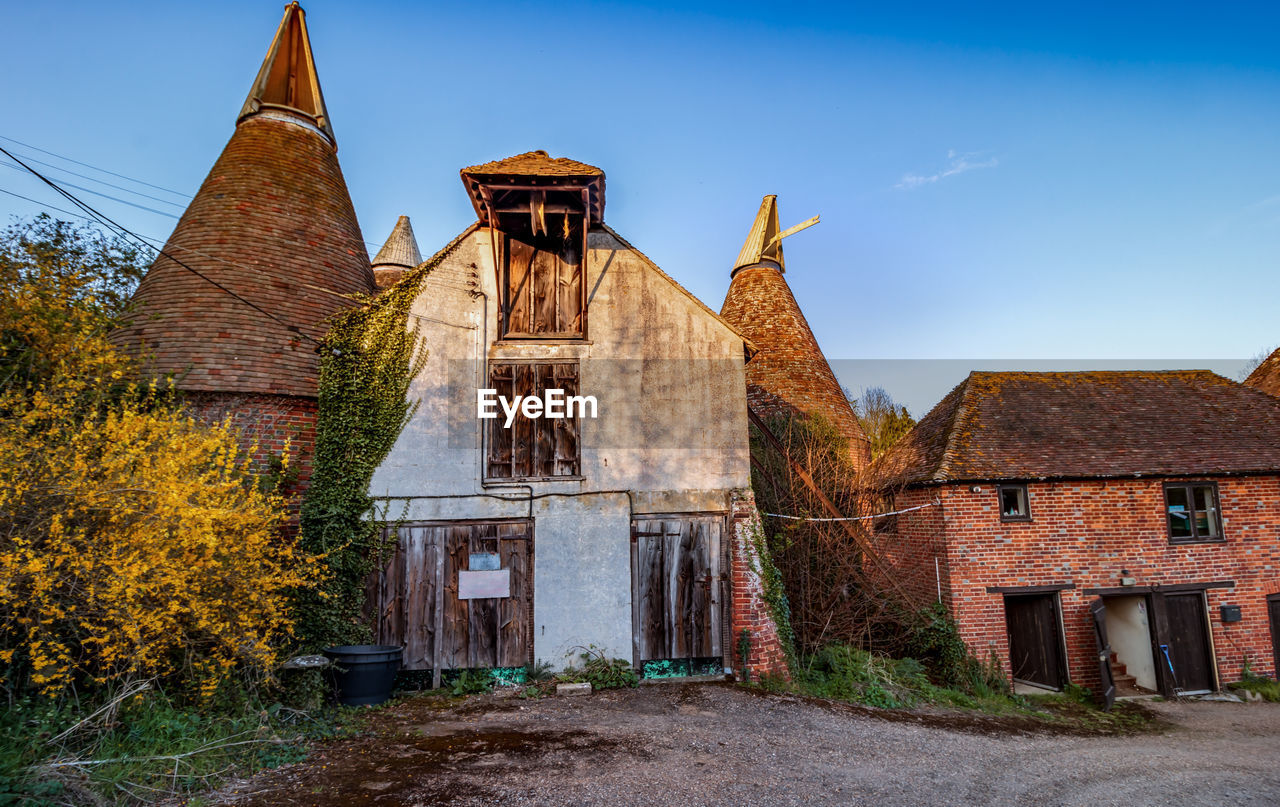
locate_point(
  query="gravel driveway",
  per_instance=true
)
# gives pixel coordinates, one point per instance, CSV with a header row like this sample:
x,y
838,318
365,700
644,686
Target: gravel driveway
x,y
713,744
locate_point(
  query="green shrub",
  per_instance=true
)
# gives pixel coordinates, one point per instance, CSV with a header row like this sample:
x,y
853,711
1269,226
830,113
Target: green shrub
x,y
601,672
472,682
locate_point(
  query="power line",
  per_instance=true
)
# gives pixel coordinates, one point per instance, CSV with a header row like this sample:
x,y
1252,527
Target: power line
x,y
152,243
124,232
377,246
103,195
42,204
103,182
94,167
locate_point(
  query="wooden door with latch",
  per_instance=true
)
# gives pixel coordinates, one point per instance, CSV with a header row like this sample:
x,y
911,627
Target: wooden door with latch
x,y
676,588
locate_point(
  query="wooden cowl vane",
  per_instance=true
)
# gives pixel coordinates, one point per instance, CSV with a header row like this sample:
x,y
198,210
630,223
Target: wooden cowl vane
x,y
789,371
274,224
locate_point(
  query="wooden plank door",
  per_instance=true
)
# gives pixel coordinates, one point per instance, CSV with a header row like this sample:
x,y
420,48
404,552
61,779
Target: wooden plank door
x,y
676,587
415,599
1035,642
1183,642
1107,689
1273,613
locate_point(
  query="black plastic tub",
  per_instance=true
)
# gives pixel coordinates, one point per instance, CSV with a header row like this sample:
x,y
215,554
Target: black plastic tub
x,y
364,674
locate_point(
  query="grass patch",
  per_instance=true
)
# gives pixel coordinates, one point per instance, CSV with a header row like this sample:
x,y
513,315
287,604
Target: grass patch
x,y
852,675
146,746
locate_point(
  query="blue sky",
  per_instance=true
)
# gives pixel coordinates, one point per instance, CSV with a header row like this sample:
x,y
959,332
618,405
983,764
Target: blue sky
x,y
1025,182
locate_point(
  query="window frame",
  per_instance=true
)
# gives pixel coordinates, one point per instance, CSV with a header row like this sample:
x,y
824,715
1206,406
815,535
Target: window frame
x,y
1189,487
495,424
1026,501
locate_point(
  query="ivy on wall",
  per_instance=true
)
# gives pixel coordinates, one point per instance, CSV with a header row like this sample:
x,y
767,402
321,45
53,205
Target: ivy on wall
x,y
775,593
368,360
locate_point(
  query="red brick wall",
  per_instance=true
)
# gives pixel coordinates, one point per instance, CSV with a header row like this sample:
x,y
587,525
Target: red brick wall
x,y
1085,533
748,609
267,424
913,550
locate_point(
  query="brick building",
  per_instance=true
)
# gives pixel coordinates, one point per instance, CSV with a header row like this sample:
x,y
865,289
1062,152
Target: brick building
x,y
789,372
1146,502
269,248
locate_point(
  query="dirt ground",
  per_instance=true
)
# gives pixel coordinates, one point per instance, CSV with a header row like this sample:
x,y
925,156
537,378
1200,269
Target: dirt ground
x,y
712,744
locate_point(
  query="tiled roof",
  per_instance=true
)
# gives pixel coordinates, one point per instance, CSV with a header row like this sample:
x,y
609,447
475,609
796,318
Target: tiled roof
x,y
1266,376
789,371
401,247
540,170
536,163
997,425
273,223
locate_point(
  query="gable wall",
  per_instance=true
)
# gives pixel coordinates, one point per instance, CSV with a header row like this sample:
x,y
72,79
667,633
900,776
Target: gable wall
x,y
670,436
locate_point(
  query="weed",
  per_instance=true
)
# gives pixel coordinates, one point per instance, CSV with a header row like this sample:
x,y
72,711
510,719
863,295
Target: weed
x,y
472,682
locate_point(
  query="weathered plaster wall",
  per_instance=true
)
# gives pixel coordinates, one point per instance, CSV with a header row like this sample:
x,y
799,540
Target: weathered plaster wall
x,y
668,438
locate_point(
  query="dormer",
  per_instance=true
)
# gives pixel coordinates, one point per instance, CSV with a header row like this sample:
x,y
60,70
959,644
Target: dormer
x,y
539,210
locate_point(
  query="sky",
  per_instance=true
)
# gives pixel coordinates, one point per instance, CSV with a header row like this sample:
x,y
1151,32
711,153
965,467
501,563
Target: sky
x,y
1024,185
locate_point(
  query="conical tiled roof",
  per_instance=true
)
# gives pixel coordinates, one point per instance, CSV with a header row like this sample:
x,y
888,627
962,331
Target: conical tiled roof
x,y
398,254
1266,376
272,224
789,372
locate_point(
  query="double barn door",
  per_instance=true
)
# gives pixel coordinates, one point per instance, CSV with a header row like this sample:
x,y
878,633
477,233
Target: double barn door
x,y
457,596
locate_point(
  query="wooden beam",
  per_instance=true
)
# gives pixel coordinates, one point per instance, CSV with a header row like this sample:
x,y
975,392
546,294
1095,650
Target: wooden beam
x,y
826,503
804,225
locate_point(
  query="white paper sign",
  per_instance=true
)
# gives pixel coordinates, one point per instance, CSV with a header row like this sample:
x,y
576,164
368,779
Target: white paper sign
x,y
484,585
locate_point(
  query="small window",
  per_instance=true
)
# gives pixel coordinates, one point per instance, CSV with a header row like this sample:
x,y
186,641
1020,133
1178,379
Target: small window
x,y
1013,503
1192,512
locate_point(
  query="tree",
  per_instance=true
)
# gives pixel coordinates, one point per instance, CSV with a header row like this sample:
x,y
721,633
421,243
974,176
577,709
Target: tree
x,y
136,540
884,421
1254,362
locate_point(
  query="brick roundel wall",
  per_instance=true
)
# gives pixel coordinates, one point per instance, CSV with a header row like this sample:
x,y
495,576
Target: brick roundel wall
x,y
268,424
1083,534
749,610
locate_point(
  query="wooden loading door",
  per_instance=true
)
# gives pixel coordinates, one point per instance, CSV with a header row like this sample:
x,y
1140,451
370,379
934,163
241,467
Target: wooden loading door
x,y
676,588
430,598
1035,641
1184,655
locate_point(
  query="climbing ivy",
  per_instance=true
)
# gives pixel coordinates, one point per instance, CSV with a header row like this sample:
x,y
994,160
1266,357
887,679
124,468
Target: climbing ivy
x,y
775,594
368,359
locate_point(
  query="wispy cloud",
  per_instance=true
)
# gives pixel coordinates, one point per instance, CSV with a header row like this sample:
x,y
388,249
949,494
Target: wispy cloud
x,y
956,164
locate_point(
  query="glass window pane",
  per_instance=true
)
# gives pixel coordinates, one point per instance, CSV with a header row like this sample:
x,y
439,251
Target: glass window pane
x,y
1179,512
1013,503
1206,512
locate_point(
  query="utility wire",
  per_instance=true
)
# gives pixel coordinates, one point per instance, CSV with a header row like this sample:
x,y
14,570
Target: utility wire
x,y
94,167
51,207
857,518
104,182
153,242
103,195
124,232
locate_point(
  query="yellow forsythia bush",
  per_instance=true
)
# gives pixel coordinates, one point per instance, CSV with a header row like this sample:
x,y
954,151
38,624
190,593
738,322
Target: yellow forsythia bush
x,y
138,545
